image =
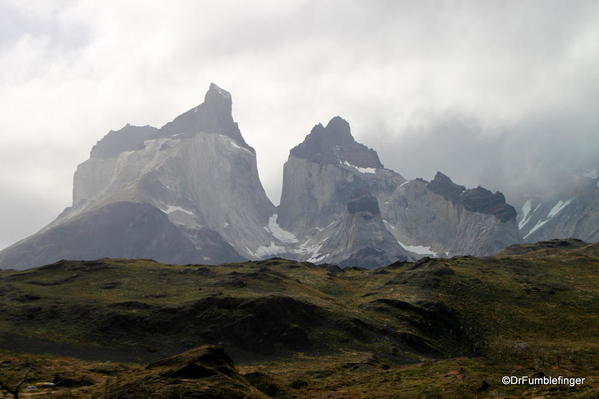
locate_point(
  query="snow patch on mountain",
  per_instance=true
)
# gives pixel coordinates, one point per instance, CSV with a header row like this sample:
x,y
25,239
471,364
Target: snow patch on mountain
x,y
418,249
278,232
172,208
527,213
537,226
558,208
526,208
270,250
359,169
235,145
310,249
316,258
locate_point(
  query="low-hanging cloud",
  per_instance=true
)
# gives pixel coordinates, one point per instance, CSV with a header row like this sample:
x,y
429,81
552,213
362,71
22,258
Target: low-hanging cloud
x,y
492,93
535,156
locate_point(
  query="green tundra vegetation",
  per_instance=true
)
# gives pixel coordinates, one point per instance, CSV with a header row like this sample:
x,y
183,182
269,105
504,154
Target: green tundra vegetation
x,y
435,328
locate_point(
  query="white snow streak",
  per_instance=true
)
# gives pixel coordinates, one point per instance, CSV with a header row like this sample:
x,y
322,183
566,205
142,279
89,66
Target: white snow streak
x,y
270,250
537,226
417,249
526,208
359,169
558,207
312,249
171,208
316,258
235,145
278,232
524,222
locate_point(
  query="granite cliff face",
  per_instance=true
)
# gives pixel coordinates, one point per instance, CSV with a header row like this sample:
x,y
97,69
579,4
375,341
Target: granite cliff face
x,y
189,192
329,200
571,212
195,181
451,221
330,178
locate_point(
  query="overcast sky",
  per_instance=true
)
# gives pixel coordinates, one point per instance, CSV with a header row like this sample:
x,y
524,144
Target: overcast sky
x,y
490,92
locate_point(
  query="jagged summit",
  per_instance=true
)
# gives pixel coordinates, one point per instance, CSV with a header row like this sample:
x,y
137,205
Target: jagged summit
x,y
335,144
190,192
444,186
214,115
186,193
129,138
477,199
337,132
214,91
218,100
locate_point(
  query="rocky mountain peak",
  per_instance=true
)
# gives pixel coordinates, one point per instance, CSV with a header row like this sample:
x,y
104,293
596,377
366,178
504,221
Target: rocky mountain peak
x,y
334,144
444,186
477,199
190,193
338,132
218,100
129,138
481,200
214,115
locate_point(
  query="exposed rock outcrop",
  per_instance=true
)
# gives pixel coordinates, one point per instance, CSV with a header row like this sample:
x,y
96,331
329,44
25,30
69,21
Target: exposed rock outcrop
x,y
189,192
476,199
571,212
195,181
330,179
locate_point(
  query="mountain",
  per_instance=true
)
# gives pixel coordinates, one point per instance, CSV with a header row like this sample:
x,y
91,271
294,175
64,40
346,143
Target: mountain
x,y
435,328
338,195
189,192
329,200
186,193
570,211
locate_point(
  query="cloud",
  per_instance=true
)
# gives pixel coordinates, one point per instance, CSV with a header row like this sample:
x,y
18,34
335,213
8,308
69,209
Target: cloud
x,y
537,155
422,82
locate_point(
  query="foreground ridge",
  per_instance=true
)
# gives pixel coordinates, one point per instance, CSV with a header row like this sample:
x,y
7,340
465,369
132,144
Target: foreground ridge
x,y
296,329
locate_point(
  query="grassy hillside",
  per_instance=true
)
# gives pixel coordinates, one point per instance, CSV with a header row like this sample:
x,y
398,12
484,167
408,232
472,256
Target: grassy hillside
x,y
433,328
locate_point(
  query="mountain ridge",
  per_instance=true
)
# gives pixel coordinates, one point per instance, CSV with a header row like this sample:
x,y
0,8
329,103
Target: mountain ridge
x,y
338,205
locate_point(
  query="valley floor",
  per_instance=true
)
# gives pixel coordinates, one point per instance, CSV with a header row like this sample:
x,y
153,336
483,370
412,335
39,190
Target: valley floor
x,y
436,328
